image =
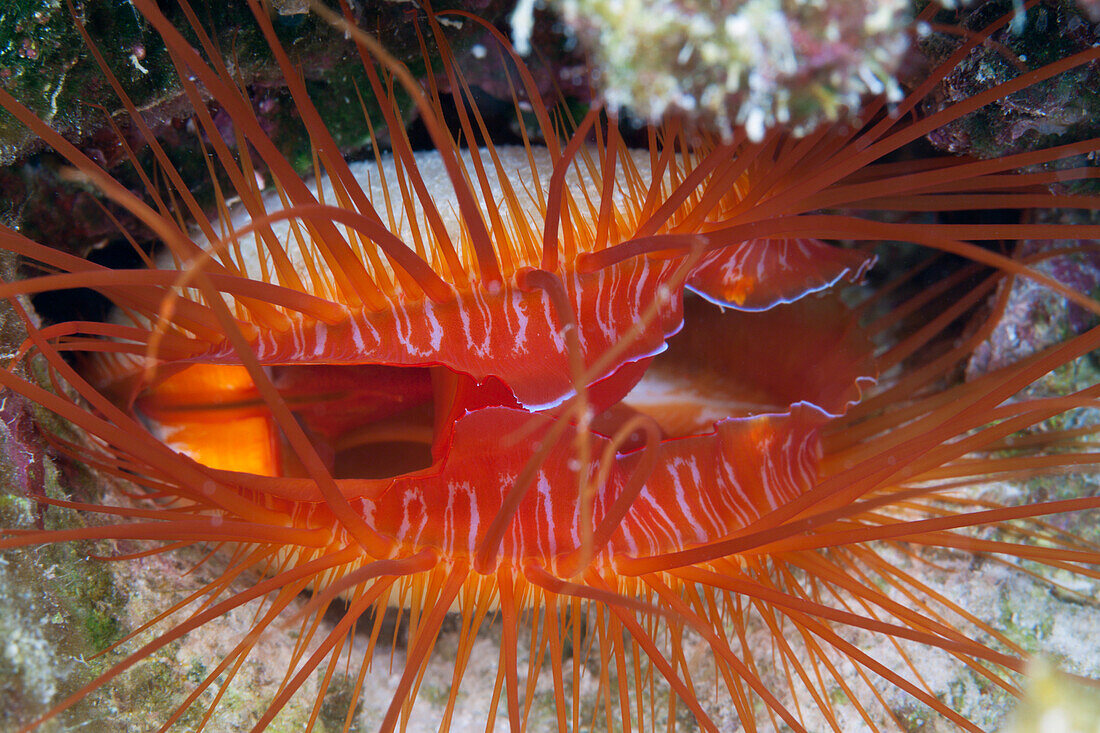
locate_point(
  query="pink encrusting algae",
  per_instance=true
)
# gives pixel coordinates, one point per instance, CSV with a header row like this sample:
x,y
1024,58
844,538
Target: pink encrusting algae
x,y
488,381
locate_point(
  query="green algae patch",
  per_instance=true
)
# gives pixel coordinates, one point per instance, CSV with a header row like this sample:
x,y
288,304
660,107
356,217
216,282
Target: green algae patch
x,y
58,608
338,700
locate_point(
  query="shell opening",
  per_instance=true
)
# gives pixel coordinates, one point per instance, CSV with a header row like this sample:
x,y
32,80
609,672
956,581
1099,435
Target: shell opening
x,y
367,421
